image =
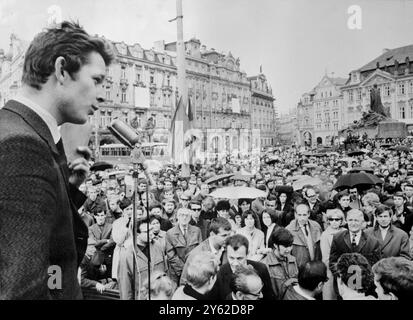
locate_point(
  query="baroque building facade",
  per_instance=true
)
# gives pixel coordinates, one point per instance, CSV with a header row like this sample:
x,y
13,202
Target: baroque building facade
x,y
392,72
141,89
263,113
320,113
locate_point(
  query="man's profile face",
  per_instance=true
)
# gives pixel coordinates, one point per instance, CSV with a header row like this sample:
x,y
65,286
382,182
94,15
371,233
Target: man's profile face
x,y
81,95
221,237
237,258
409,191
284,251
254,285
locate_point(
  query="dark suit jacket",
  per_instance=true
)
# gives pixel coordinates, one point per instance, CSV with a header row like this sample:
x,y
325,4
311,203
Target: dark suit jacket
x,y
39,222
368,246
178,247
221,288
101,237
395,244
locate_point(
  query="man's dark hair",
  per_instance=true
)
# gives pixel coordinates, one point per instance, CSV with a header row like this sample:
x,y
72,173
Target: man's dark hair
x,y
346,267
280,236
139,222
155,204
271,197
218,223
223,205
382,208
68,40
237,241
311,274
395,276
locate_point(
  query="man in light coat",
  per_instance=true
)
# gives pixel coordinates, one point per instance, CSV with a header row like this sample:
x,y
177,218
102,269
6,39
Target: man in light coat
x,y
126,274
307,233
180,240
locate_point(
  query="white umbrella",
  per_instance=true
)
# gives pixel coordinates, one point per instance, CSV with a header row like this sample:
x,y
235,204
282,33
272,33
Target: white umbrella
x,y
238,193
300,183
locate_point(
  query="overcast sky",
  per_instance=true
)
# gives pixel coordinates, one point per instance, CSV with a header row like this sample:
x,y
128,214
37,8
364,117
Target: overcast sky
x,y
295,41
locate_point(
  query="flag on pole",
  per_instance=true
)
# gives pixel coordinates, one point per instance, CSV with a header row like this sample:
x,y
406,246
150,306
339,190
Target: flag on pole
x,y
180,138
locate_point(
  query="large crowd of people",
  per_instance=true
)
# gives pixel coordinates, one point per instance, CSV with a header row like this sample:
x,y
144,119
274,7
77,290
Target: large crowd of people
x,y
314,235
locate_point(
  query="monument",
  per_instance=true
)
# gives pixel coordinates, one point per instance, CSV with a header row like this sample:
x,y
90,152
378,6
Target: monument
x,y
376,123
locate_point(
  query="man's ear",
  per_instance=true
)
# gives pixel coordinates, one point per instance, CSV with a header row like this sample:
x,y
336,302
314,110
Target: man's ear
x,y
60,72
239,295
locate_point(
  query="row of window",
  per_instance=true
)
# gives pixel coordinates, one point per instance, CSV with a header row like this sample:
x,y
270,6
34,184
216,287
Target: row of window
x,y
402,89
333,103
327,126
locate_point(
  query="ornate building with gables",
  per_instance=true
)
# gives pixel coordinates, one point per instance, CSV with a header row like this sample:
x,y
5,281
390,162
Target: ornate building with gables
x,y
392,71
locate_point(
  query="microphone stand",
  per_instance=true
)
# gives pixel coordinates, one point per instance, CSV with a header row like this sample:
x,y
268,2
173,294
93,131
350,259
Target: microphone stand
x,y
137,164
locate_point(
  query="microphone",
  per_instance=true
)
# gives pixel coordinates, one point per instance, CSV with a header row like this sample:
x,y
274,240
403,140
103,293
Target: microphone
x,y
123,133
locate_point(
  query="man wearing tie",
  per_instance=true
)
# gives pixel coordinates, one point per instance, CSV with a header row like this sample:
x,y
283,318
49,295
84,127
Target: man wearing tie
x,y
306,232
40,227
180,240
354,240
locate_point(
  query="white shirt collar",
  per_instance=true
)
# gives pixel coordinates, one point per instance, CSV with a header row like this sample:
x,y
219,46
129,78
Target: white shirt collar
x,y
358,236
44,115
302,293
213,250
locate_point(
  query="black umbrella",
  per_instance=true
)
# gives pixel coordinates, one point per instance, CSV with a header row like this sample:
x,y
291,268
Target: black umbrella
x,y
352,180
101,166
219,178
400,148
284,189
355,153
386,145
361,169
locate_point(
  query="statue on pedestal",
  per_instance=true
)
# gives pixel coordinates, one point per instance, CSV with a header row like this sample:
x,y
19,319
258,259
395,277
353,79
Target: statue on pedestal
x,y
375,101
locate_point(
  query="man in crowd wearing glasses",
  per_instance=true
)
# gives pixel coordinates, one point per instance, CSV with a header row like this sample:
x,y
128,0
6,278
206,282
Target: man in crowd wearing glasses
x,y
245,284
197,220
237,251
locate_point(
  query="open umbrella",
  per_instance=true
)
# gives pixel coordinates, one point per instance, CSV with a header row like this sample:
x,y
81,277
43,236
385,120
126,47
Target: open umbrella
x,y
284,189
153,165
352,180
299,184
238,193
310,165
400,148
385,145
356,153
361,169
101,166
219,178
241,177
347,159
